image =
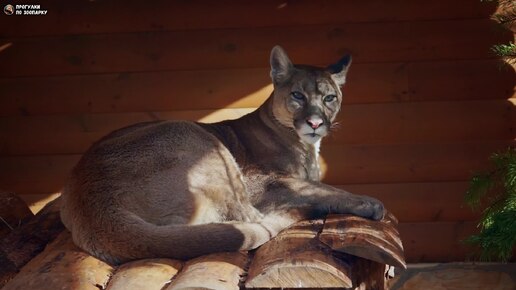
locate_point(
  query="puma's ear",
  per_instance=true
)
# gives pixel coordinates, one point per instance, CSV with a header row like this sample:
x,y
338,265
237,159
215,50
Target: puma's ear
x,y
339,70
281,66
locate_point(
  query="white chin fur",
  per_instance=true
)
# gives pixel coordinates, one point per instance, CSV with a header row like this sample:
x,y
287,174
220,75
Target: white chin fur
x,y
310,139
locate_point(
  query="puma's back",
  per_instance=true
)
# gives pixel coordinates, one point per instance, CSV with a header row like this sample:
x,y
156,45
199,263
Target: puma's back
x,y
182,189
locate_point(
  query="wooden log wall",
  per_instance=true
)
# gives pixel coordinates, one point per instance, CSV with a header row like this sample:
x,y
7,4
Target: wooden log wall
x,y
425,105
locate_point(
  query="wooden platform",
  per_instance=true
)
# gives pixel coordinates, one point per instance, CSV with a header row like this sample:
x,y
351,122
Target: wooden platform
x,y
340,251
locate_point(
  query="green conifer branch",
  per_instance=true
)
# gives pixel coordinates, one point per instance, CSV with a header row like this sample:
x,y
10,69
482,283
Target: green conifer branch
x,y
497,187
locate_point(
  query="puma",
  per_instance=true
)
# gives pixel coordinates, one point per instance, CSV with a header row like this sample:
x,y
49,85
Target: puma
x,y
183,189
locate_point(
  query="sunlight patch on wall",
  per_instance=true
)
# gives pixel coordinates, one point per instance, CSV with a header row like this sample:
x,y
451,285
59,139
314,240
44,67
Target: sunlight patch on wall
x,y
225,114
37,201
323,166
240,107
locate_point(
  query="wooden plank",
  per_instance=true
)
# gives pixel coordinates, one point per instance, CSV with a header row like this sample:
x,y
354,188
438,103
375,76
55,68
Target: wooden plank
x,y
372,124
74,134
460,80
406,162
443,201
234,48
62,266
403,199
436,242
163,91
25,242
377,241
149,274
47,173
238,88
296,258
166,91
65,18
364,164
458,276
424,122
221,271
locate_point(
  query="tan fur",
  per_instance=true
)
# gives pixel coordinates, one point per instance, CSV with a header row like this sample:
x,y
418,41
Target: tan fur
x,y
182,189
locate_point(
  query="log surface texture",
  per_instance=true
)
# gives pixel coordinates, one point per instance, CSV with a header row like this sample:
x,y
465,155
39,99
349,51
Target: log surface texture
x,y
310,254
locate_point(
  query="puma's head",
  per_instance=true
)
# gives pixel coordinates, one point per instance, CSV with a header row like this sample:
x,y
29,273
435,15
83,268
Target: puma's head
x,y
306,98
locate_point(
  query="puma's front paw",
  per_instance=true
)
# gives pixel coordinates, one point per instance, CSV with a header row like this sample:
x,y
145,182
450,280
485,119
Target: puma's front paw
x,y
369,207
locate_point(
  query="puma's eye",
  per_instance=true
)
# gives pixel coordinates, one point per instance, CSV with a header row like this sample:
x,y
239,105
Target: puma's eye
x,y
330,98
298,96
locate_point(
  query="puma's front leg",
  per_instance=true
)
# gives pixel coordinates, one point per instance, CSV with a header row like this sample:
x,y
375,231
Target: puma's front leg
x,y
311,199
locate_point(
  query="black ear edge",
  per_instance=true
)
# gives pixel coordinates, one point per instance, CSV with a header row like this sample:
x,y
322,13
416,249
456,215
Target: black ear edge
x,y
341,65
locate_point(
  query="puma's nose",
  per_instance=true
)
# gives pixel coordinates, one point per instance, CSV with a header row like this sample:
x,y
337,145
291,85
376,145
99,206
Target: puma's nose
x,y
314,122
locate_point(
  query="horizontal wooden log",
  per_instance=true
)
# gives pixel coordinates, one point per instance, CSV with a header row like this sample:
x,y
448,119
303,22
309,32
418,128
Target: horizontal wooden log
x,y
436,242
238,88
62,266
149,274
404,200
25,242
424,122
455,276
75,134
233,48
378,241
65,18
296,258
220,271
460,80
389,123
14,212
407,163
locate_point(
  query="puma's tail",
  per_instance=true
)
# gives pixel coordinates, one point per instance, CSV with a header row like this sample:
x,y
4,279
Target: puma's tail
x,y
139,239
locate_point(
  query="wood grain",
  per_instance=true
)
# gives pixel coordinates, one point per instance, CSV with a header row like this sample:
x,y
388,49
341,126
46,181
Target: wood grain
x,y
14,212
443,201
353,164
65,18
377,241
221,271
407,162
25,242
436,242
62,266
235,48
295,258
248,87
149,274
372,124
420,202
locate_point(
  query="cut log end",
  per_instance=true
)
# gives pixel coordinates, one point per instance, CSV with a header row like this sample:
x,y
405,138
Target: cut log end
x,y
220,271
378,241
150,274
296,258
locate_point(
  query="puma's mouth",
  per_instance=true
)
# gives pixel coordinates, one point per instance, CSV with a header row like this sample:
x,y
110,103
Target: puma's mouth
x,y
310,138
310,135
